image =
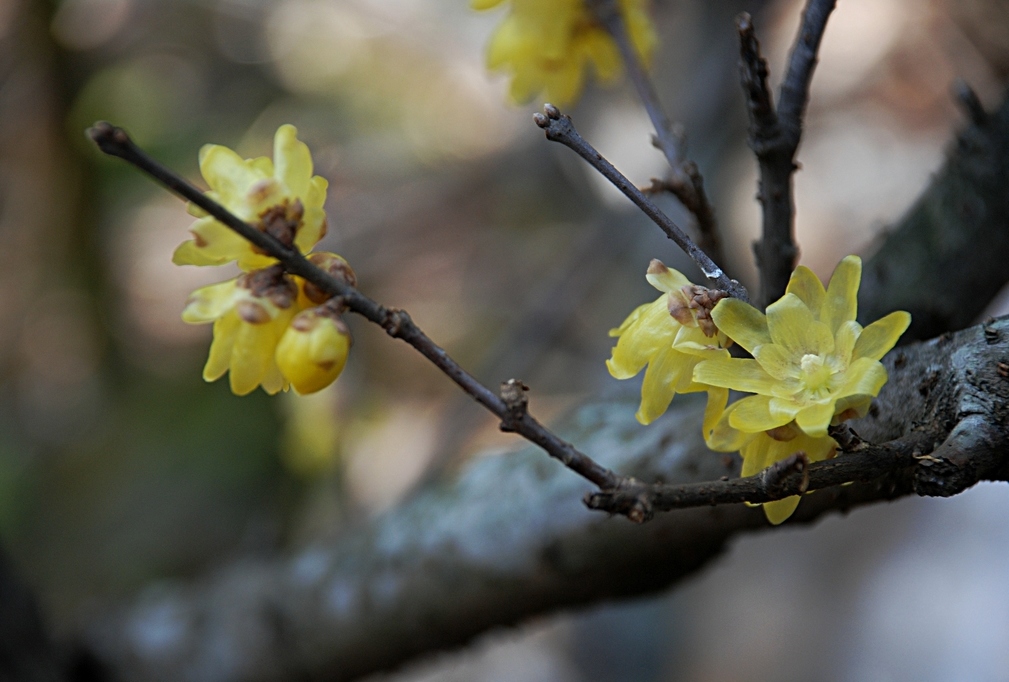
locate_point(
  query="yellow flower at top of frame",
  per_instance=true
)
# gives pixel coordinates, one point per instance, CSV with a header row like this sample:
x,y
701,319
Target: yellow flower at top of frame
x,y
279,196
812,362
670,335
547,45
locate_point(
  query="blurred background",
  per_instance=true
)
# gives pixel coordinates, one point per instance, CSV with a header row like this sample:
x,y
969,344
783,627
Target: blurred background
x,y
119,466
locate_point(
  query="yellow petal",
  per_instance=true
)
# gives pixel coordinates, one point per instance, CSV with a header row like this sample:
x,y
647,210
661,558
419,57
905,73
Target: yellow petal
x,y
755,455
739,374
602,52
563,85
503,44
814,419
753,415
219,358
841,303
791,325
777,361
807,286
721,437
251,356
851,407
263,164
274,382
692,340
647,331
865,376
844,342
665,278
215,244
292,159
254,261
228,174
882,335
484,4
714,409
208,303
316,195
782,408
741,322
313,228
779,511
657,390
817,449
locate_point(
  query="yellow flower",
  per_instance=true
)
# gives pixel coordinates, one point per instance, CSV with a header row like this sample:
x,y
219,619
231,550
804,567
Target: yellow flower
x,y
250,314
547,45
281,197
813,365
670,335
314,349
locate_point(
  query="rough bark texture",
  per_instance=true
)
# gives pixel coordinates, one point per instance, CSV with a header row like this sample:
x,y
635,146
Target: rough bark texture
x,y
949,252
511,538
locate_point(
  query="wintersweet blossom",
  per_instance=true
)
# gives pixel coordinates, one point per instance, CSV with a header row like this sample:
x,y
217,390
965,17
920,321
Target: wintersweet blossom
x,y
313,350
280,196
813,365
547,45
670,335
250,314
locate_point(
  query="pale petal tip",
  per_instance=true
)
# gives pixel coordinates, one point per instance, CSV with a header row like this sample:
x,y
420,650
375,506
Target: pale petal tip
x,y
656,267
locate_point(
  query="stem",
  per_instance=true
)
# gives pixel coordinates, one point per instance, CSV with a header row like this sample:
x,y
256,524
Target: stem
x,y
559,128
397,323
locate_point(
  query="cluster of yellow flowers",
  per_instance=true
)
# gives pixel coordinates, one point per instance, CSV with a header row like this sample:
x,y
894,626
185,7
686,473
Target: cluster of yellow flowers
x,y
547,45
811,366
270,328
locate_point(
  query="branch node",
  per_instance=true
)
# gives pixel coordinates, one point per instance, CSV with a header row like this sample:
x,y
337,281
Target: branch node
x,y
395,322
513,394
991,335
778,477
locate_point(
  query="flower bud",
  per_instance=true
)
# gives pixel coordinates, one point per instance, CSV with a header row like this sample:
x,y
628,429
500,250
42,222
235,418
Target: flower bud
x,y
313,350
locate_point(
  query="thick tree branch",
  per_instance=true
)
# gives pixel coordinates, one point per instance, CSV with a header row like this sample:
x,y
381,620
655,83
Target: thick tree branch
x,y
946,258
559,128
775,137
510,539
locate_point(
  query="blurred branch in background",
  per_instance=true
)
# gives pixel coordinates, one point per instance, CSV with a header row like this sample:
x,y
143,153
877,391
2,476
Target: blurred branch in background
x,y
775,134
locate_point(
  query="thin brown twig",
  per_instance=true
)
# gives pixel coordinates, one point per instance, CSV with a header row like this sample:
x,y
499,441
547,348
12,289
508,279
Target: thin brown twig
x,y
617,494
559,128
397,323
685,181
775,136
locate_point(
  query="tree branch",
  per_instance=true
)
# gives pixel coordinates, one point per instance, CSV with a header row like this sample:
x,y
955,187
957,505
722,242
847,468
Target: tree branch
x,y
559,128
509,539
774,139
508,407
946,258
685,181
